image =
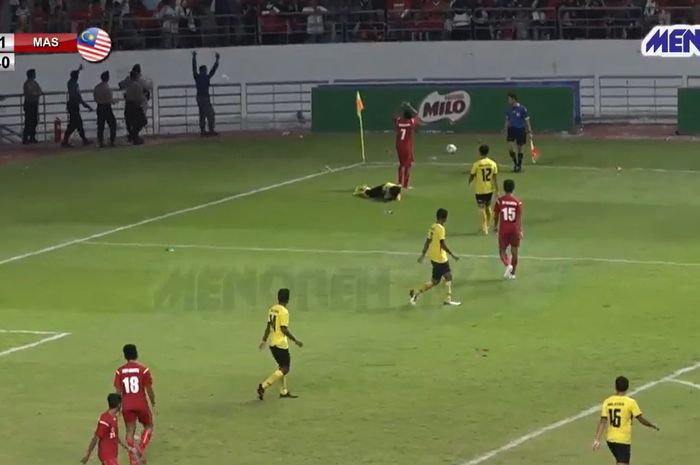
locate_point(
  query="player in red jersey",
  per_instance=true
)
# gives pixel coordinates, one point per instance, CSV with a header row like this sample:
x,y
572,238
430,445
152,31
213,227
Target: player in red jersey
x,y
405,125
509,212
107,434
133,380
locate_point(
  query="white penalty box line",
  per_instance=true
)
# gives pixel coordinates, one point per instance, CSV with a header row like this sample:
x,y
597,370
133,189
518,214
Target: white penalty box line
x,y
48,336
672,378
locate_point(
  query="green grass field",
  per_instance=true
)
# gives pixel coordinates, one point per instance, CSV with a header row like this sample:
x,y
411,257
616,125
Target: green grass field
x,y
608,286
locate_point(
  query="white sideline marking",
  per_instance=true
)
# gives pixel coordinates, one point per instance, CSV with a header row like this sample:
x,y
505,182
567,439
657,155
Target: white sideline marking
x,y
385,252
50,336
551,167
596,408
685,383
153,219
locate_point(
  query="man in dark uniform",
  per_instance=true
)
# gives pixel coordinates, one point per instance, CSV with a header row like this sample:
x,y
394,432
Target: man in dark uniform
x,y
517,130
75,99
103,98
146,90
134,98
32,94
203,80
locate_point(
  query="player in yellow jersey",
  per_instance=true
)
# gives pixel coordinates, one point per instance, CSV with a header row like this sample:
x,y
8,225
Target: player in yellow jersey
x,y
436,248
484,174
277,330
618,413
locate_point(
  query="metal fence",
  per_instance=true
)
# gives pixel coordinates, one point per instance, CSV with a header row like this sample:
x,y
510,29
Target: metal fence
x,y
287,105
253,26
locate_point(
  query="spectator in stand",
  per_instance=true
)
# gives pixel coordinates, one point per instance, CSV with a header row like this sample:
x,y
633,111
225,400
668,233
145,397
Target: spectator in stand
x,y
651,13
249,22
169,19
32,94
315,28
522,26
482,28
296,21
664,18
631,21
538,22
398,15
59,21
202,80
273,26
433,23
187,26
461,25
22,15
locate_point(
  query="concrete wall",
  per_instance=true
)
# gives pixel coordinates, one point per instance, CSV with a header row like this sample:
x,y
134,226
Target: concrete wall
x,y
362,61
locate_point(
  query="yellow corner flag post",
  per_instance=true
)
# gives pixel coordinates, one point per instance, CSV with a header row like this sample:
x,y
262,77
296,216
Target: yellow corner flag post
x,y
359,107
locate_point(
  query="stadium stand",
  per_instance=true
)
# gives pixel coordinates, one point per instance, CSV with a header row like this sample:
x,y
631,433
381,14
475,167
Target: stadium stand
x,y
141,24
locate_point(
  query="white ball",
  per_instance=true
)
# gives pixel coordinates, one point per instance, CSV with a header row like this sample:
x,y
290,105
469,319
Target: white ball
x,y
451,148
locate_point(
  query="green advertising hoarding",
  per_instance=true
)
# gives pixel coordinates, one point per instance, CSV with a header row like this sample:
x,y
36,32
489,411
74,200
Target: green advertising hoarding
x,y
689,110
453,108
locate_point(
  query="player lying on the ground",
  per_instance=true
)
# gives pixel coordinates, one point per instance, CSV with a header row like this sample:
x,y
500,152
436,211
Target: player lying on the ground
x,y
385,192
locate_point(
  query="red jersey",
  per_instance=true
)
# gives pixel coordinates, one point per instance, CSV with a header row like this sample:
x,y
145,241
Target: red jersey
x,y
404,132
108,432
510,211
131,380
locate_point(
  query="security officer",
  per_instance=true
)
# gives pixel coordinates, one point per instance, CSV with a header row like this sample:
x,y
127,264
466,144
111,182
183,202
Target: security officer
x,y
32,94
75,99
134,99
147,88
103,97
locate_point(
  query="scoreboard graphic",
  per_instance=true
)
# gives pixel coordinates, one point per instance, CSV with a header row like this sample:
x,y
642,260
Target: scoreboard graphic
x,y
94,45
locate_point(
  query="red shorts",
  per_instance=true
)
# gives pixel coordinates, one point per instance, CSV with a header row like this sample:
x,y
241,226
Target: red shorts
x,y
508,238
143,415
405,156
112,461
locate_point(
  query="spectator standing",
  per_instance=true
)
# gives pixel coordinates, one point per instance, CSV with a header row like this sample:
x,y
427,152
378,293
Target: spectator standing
x,y
103,98
461,20
203,81
664,18
75,100
482,28
32,94
22,15
315,27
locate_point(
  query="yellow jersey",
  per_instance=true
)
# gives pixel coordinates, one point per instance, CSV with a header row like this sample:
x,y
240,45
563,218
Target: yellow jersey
x,y
483,171
278,316
620,412
435,251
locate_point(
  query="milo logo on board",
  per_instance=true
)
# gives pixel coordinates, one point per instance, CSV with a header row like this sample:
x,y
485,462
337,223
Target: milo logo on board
x,y
453,106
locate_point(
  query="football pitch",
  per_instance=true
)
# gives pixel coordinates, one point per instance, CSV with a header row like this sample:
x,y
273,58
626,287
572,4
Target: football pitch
x,y
180,248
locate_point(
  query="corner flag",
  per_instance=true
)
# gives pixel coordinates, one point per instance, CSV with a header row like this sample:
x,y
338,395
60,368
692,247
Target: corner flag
x,y
359,108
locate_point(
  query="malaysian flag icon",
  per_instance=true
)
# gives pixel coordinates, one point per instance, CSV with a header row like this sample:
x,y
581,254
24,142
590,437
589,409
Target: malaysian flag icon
x,y
94,45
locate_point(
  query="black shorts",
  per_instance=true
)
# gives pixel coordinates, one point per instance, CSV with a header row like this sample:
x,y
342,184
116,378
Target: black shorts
x,y
440,270
484,199
517,135
281,356
621,452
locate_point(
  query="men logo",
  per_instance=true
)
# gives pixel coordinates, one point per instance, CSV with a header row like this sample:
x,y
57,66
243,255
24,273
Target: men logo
x,y
680,40
453,106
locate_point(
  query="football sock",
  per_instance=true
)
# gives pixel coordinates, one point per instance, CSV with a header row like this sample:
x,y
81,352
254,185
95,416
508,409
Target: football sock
x,y
283,389
505,259
489,213
132,457
146,437
400,181
512,156
406,177
514,262
272,379
520,159
425,287
448,287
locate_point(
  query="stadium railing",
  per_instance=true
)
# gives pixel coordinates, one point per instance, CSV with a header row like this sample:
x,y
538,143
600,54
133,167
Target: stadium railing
x,y
52,106
287,105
